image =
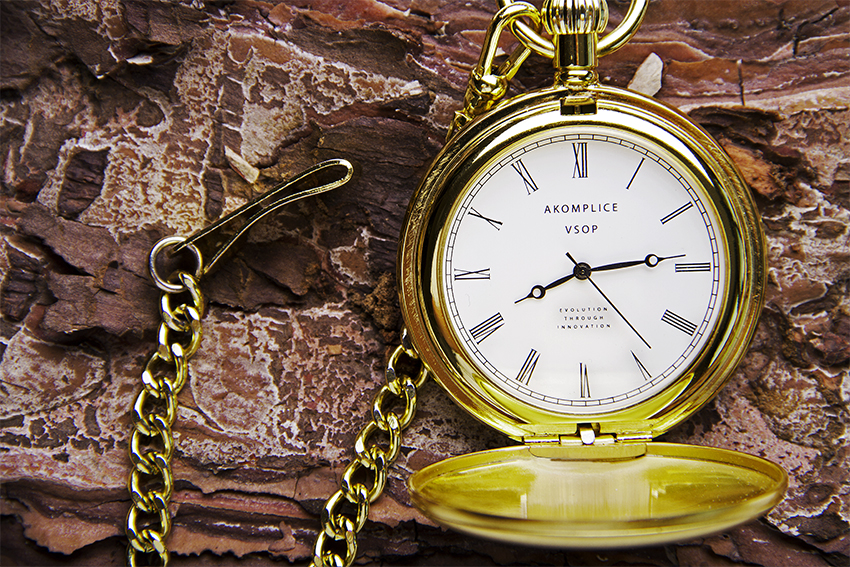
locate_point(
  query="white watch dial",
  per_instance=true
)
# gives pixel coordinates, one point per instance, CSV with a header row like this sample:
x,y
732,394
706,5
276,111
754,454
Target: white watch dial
x,y
582,271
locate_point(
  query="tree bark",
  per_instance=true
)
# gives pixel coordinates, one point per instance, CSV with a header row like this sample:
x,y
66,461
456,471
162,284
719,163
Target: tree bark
x,y
122,122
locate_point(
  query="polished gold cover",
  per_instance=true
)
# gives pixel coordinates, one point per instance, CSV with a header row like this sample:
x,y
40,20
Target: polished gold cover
x,y
598,496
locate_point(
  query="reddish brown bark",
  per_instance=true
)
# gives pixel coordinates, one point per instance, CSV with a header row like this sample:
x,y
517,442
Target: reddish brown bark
x,y
115,121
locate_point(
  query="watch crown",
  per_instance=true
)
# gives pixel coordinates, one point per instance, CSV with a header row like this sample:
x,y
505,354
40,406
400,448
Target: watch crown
x,y
571,17
575,26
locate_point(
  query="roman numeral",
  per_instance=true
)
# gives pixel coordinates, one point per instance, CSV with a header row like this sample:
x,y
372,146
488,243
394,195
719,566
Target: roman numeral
x,y
486,328
580,152
677,212
679,322
585,386
528,367
629,186
493,222
644,372
693,267
482,274
530,185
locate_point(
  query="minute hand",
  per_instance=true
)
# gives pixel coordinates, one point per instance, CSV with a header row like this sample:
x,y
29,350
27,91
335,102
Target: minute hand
x,y
651,260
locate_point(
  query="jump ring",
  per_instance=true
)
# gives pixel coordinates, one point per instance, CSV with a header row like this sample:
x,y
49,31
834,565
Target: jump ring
x,y
159,247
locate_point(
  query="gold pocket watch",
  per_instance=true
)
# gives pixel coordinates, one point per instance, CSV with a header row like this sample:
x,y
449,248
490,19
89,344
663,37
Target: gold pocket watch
x,y
581,269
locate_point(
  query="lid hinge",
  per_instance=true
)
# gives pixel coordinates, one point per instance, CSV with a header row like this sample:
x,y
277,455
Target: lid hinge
x,y
588,434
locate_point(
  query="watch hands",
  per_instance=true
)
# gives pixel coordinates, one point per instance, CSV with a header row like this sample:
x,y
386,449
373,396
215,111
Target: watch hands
x,y
583,271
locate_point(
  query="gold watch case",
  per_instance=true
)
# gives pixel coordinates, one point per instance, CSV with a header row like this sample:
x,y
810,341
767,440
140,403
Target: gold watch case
x,y
586,480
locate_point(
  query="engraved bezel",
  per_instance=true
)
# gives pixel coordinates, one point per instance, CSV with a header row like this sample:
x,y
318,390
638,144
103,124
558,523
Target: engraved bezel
x,y
634,117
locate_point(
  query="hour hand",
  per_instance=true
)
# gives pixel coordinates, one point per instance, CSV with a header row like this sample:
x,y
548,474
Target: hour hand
x,y
539,291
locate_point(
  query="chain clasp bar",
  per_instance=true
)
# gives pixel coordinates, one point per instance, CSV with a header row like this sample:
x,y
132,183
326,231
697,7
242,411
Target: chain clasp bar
x,y
216,240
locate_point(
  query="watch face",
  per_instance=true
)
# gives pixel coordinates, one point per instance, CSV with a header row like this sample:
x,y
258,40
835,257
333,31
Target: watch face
x,y
582,270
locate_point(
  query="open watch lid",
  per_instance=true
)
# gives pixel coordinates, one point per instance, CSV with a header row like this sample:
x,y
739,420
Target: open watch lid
x,y
597,496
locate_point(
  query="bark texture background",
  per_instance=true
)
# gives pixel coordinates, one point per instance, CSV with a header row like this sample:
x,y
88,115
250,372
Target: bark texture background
x,y
122,122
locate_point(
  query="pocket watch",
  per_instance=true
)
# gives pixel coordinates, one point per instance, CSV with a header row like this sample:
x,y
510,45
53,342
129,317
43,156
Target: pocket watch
x,y
582,268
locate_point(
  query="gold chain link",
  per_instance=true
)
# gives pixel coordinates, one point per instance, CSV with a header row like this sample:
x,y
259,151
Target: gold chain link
x,y
487,82
346,511
154,411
